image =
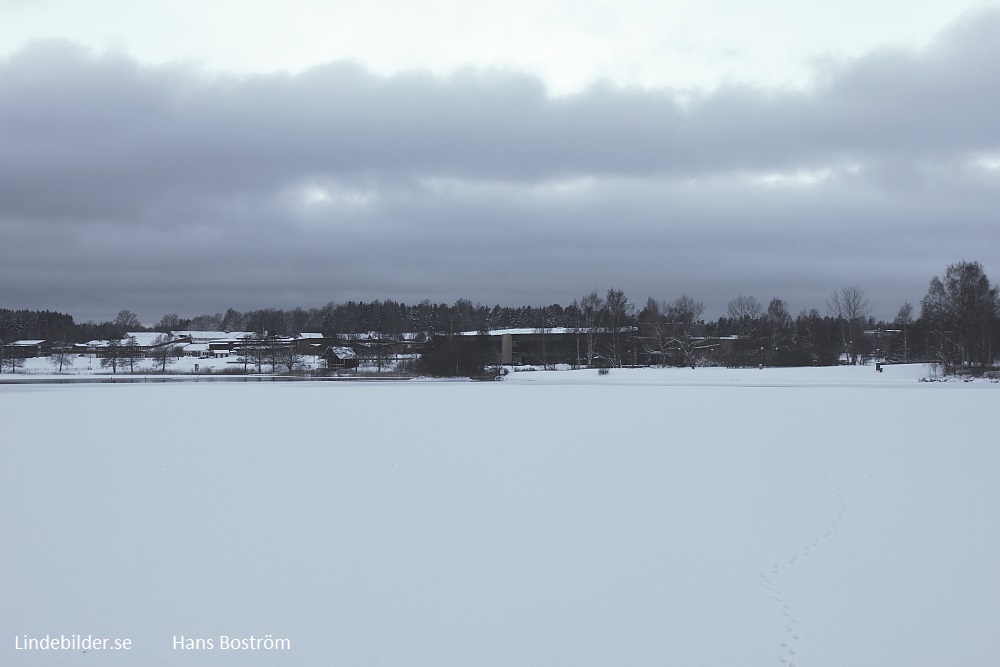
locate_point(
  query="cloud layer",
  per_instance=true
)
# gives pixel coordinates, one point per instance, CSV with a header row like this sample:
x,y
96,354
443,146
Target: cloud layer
x,y
167,189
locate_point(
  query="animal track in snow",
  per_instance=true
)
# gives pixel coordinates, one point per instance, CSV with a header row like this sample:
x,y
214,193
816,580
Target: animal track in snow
x,y
789,645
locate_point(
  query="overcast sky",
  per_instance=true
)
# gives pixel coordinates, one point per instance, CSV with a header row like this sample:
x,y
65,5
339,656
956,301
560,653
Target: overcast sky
x,y
187,157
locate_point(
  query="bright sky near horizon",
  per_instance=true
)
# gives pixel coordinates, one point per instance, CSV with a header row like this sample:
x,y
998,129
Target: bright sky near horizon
x,y
190,156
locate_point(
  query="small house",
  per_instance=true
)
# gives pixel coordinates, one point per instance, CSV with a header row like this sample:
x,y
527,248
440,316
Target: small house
x,y
340,358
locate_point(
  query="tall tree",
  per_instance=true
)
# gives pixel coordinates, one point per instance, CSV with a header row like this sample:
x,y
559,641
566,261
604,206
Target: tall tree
x,y
61,357
962,311
232,321
10,358
592,316
656,331
778,326
682,315
745,312
163,353
851,307
127,321
113,353
168,323
618,318
904,320
206,322
131,353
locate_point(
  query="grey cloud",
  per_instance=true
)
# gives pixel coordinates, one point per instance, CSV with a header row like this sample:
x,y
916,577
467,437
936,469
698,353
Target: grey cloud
x,y
170,190
106,116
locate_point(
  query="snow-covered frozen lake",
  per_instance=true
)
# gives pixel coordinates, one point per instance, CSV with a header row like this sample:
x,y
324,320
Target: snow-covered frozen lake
x,y
812,517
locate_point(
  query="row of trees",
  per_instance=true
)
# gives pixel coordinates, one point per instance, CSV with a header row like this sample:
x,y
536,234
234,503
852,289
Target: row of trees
x,y
36,324
383,317
958,325
960,313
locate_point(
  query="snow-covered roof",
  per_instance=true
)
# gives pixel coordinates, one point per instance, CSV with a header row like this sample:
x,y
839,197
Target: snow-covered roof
x,y
27,342
211,335
100,342
227,341
377,335
310,335
343,352
523,331
144,338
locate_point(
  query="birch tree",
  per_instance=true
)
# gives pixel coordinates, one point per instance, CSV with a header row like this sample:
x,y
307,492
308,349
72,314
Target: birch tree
x,y
962,311
851,307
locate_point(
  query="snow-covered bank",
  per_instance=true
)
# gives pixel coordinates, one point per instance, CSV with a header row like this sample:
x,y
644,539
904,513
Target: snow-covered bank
x,y
89,365
82,367
193,368
551,519
861,376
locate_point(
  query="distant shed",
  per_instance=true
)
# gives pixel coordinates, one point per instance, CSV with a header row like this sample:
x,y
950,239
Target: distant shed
x,y
340,358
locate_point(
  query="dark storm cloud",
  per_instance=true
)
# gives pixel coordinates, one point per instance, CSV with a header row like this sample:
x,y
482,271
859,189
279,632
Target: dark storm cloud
x,y
166,189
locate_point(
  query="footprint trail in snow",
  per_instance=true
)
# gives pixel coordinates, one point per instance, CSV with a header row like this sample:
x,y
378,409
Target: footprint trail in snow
x,y
790,643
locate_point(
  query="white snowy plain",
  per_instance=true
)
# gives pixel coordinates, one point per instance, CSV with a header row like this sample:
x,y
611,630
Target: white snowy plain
x,y
812,517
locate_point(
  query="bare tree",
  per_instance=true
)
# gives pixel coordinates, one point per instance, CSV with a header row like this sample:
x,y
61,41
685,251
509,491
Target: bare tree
x,y
289,357
207,322
249,352
745,313
577,330
163,352
131,353
232,321
543,330
272,348
658,332
377,351
807,332
618,315
169,322
851,307
61,357
778,326
296,321
962,311
592,314
112,354
904,319
259,350
127,321
10,359
684,314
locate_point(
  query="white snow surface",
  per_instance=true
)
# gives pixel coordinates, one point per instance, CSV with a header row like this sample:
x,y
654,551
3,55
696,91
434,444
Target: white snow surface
x,y
813,517
42,368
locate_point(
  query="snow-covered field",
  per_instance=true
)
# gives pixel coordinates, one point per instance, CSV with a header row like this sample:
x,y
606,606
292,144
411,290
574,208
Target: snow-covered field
x,y
815,517
87,365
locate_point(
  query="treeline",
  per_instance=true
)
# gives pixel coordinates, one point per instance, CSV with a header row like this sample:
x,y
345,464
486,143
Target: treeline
x,y
380,317
37,325
958,324
383,317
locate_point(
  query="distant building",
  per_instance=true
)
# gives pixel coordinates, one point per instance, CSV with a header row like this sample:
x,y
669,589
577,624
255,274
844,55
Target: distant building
x,y
208,336
340,358
30,348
